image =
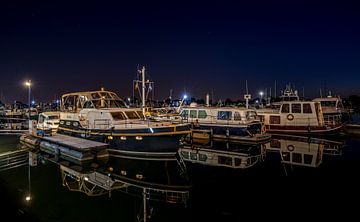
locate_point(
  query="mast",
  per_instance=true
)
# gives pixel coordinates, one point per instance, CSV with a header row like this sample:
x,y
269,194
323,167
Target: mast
x,y
275,90
143,89
247,96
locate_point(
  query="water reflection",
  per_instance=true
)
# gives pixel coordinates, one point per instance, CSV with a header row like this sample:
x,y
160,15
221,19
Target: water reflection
x,y
205,179
303,152
150,179
223,154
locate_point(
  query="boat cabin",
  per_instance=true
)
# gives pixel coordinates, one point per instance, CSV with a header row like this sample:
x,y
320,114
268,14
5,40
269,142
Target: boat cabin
x,y
97,109
301,113
48,120
225,115
73,102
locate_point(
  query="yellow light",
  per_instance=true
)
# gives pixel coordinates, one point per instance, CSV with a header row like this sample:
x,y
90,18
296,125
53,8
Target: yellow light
x,y
28,198
28,83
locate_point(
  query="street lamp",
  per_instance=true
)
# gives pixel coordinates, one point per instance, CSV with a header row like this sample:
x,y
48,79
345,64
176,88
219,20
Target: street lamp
x,y
28,84
261,93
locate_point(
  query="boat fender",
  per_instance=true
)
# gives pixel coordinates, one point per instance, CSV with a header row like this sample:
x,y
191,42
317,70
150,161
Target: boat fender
x,y
290,148
290,117
227,132
263,129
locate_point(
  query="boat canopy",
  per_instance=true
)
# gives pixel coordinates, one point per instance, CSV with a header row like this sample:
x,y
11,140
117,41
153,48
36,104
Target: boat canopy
x,y
90,100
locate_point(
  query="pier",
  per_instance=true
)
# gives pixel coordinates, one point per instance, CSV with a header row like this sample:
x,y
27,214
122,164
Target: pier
x,y
73,149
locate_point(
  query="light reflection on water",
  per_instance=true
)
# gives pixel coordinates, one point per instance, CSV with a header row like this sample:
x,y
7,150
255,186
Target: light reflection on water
x,y
216,180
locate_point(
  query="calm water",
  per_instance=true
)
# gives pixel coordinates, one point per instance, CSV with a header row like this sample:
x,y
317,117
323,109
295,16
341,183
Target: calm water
x,y
220,181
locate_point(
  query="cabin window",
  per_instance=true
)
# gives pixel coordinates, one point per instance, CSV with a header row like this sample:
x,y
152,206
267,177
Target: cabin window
x,y
95,95
69,103
237,161
307,108
296,108
224,115
237,116
308,158
274,119
131,115
193,113
250,115
88,105
82,99
185,154
224,160
202,114
41,118
53,117
202,157
140,113
296,158
118,116
193,156
285,108
328,103
286,156
275,143
185,113
261,118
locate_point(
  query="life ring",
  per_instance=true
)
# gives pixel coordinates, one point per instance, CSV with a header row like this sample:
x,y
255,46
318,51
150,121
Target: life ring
x,y
290,117
290,148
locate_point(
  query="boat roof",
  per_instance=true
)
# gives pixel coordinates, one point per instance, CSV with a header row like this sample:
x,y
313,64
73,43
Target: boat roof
x,y
87,93
218,108
326,99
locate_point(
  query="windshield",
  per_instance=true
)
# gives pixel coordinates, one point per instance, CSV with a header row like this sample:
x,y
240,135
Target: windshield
x,y
328,103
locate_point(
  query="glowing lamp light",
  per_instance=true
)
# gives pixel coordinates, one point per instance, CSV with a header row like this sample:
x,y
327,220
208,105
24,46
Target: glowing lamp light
x,y
261,93
151,130
28,198
28,83
86,178
185,96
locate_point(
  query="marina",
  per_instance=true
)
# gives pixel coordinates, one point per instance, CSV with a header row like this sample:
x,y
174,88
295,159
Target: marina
x,y
149,111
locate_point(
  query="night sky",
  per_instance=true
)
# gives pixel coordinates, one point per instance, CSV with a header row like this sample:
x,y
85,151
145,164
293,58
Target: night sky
x,y
185,46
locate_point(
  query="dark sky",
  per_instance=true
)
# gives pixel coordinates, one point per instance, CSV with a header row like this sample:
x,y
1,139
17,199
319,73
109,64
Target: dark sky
x,y
197,47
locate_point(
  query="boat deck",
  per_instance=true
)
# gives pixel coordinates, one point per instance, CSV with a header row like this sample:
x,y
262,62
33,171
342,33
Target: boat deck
x,y
74,142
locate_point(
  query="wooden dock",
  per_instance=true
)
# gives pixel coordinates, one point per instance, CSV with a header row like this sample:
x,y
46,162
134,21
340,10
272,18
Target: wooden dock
x,y
73,149
75,143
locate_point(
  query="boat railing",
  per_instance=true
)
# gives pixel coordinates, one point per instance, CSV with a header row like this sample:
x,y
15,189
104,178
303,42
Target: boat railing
x,y
102,123
332,119
215,120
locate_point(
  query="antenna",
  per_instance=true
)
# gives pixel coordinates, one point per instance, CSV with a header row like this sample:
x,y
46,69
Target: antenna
x,y
303,92
247,96
275,90
247,92
170,96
